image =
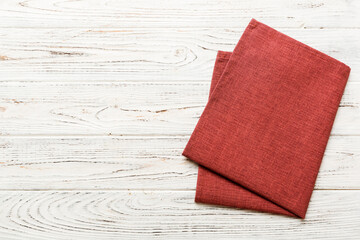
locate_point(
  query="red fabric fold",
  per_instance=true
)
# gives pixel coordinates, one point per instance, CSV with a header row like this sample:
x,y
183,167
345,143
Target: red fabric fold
x,y
215,189
265,128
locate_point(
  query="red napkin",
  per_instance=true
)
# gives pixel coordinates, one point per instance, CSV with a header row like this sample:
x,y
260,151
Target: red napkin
x,y
214,189
264,130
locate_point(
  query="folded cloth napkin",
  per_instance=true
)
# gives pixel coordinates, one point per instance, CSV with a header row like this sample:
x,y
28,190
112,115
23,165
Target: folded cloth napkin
x,y
214,189
264,130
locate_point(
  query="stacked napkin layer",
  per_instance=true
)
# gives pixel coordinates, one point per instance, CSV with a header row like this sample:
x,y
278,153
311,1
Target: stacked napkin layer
x,y
264,130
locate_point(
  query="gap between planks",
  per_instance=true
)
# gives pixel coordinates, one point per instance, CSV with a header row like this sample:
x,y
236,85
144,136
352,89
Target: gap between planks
x,y
185,27
129,136
130,190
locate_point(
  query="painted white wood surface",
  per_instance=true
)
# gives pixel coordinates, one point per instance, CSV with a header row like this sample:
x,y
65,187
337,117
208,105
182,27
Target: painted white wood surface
x,y
138,162
148,108
179,14
142,54
166,215
98,99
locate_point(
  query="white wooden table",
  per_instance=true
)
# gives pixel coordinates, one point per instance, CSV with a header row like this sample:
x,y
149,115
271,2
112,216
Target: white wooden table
x,y
98,99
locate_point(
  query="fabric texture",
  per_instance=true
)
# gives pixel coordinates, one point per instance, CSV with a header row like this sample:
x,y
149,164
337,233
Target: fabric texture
x,y
214,189
264,130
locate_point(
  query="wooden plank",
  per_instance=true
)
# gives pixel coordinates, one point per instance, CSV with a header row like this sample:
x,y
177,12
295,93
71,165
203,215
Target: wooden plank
x,y
156,54
135,163
172,13
123,108
163,214
97,102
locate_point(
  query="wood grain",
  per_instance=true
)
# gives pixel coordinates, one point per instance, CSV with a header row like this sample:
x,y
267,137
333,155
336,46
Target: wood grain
x,y
123,108
180,14
98,99
121,163
164,214
142,54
